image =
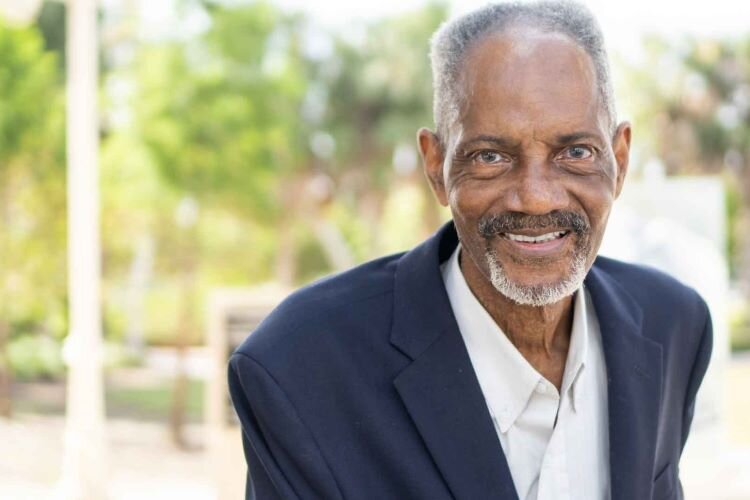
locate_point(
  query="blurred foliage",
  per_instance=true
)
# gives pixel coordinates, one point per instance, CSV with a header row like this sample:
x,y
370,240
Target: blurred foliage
x,y
690,100
375,91
51,23
220,125
269,117
282,133
32,188
35,356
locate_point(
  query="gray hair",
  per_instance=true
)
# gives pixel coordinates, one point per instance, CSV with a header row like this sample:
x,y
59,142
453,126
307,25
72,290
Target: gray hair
x,y
454,38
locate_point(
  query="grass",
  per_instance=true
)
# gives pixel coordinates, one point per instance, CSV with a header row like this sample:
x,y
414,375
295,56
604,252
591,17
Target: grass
x,y
149,401
153,402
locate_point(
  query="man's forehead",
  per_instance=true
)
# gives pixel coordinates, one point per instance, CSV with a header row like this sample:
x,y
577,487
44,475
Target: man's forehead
x,y
524,72
523,58
523,41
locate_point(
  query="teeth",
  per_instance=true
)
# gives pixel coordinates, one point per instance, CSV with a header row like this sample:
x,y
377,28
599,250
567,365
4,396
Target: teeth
x,y
543,238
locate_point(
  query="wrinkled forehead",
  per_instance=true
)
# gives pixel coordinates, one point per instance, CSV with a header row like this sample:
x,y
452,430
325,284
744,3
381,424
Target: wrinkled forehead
x,y
524,72
525,53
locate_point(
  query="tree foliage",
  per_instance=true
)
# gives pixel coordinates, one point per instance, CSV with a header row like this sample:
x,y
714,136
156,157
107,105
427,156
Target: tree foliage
x,y
252,118
32,188
32,208
696,115
220,115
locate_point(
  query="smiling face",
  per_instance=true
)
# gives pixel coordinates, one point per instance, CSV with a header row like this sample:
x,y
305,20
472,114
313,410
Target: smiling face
x,y
531,169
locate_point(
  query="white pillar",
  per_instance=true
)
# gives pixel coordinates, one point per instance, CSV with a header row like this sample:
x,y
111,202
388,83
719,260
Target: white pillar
x,y
84,465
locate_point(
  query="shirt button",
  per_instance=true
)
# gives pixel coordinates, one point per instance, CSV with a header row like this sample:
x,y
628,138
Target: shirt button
x,y
540,388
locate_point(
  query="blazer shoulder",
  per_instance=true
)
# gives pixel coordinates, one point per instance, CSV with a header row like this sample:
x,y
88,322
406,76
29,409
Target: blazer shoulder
x,y
674,315
651,287
321,306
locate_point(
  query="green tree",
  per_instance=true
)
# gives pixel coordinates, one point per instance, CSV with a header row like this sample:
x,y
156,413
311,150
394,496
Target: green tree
x,y
378,93
32,192
220,116
252,118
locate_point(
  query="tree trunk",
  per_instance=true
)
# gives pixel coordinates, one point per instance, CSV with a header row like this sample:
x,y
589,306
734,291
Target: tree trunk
x,y
371,212
743,231
177,415
6,374
333,243
139,276
286,257
179,395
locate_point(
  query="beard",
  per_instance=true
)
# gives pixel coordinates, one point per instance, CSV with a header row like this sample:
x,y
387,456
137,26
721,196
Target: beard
x,y
544,294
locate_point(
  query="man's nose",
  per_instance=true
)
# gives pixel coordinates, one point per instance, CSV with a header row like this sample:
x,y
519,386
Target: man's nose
x,y
537,188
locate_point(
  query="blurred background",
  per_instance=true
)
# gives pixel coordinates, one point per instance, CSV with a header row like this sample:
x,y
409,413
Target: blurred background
x,y
244,148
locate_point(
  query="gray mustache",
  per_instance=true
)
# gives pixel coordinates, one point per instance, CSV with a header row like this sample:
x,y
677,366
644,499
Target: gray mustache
x,y
494,224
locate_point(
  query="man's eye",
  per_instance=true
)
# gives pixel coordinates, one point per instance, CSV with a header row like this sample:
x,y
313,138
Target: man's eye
x,y
490,157
578,153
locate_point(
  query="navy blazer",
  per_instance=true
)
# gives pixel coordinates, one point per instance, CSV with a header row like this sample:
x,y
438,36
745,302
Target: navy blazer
x,y
360,387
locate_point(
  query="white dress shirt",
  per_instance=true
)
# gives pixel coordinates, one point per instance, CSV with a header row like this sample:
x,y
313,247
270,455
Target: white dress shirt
x,y
556,444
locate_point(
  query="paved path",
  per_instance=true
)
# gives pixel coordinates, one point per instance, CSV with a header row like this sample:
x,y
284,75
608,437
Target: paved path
x,y
144,465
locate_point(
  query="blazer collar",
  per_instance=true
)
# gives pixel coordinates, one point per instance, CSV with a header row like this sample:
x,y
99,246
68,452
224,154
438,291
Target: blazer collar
x,y
422,310
439,388
442,394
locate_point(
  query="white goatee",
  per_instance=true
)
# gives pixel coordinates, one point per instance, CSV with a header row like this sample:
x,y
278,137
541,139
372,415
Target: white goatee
x,y
539,295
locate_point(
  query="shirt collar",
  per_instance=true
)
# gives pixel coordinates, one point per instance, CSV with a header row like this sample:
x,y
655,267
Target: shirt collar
x,y
506,378
578,348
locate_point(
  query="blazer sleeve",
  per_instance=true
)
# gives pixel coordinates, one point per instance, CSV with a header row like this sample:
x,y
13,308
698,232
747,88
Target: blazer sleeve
x,y
283,459
700,365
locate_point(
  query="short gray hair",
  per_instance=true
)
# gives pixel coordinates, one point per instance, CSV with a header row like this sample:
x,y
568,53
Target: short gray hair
x,y
454,38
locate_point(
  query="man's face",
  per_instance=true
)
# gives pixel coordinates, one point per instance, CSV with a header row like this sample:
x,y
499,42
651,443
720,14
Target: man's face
x,y
531,169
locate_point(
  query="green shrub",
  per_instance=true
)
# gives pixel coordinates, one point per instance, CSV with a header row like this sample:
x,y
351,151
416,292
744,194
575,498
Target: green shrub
x,y
36,356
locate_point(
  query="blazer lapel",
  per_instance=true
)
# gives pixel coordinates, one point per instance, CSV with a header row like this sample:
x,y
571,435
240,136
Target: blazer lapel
x,y
634,383
439,388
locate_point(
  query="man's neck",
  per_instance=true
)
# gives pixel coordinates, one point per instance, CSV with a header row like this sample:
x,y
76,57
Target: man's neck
x,y
541,334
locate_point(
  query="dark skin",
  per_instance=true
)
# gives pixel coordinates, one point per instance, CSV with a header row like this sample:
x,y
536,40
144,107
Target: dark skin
x,y
532,138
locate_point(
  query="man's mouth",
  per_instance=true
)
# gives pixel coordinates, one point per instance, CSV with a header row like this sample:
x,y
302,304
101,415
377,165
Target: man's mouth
x,y
538,239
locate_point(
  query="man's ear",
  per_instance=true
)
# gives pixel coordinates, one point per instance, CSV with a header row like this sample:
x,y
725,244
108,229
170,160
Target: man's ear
x,y
432,159
621,148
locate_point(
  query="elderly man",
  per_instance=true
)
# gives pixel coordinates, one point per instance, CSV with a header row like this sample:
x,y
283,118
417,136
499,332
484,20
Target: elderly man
x,y
501,358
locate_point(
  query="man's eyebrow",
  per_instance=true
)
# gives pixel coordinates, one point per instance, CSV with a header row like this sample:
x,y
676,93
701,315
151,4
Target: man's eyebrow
x,y
578,136
497,140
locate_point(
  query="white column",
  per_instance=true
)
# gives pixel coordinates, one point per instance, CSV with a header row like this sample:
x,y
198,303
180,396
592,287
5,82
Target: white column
x,y
84,465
